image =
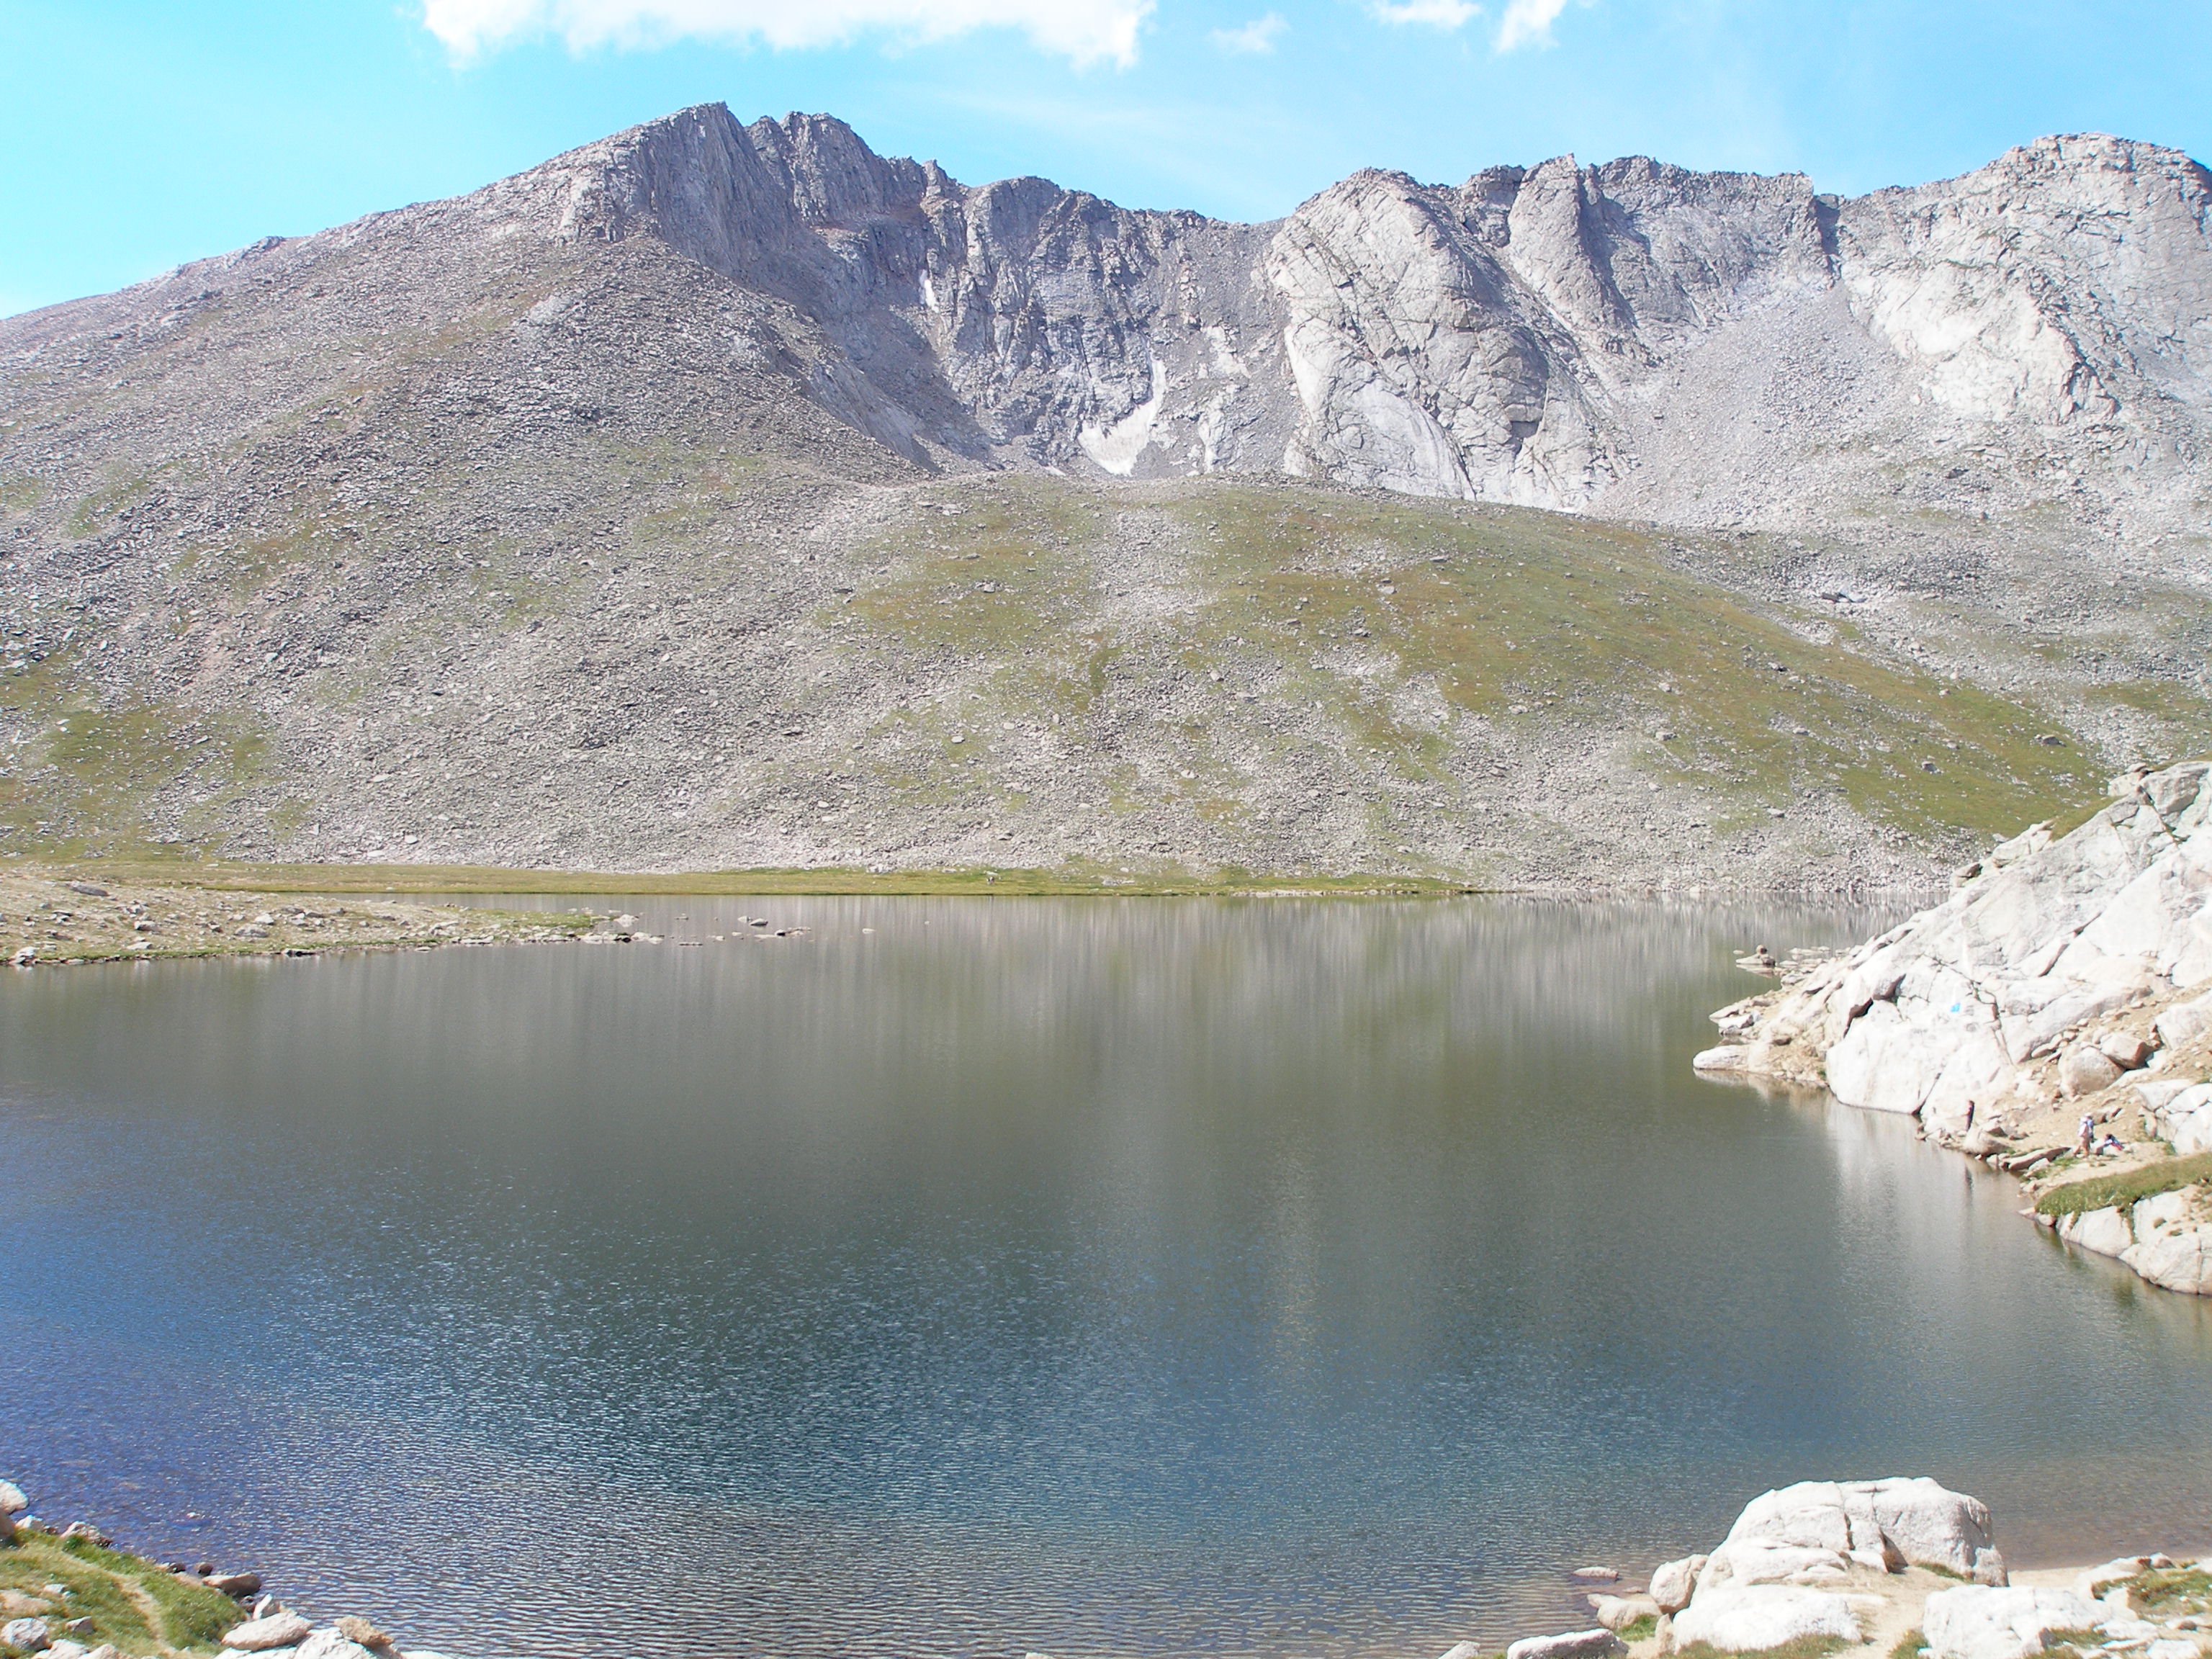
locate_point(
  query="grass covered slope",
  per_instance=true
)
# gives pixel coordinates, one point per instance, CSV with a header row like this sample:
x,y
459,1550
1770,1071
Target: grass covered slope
x,y
135,1605
1155,682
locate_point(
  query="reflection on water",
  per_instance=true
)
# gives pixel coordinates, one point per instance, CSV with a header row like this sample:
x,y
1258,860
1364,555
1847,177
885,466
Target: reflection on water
x,y
1087,1277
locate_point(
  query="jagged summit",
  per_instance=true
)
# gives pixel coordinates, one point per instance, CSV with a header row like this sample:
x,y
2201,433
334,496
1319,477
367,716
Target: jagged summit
x,y
719,494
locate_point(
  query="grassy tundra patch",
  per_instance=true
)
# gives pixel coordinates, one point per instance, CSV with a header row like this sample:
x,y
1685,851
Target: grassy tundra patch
x,y
1520,616
131,1602
2127,1187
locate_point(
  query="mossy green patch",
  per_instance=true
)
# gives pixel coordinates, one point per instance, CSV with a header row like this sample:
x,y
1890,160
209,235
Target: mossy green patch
x,y
83,784
2166,1592
2127,1187
1517,615
131,1602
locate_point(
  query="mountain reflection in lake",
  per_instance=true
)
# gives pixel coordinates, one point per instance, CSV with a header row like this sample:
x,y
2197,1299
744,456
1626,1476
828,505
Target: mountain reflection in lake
x,y
1089,1277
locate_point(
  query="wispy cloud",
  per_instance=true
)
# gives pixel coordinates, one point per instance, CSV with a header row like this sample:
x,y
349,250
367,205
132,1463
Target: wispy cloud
x,y
1438,14
1257,36
1084,31
1527,22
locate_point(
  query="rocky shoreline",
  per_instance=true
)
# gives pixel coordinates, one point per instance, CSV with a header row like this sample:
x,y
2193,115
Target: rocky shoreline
x,y
1899,1568
1891,1569
2051,1017
50,919
72,1593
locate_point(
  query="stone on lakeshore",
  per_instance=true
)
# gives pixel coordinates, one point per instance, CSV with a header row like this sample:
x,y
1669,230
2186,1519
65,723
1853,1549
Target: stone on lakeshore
x,y
2177,1254
360,1631
1462,1651
236,1584
2085,1070
1978,1622
2106,1231
1573,1644
68,1649
1595,1575
12,1501
1816,1529
1618,1613
1726,1058
28,1635
277,1629
330,1644
1751,1618
1672,1583
90,1534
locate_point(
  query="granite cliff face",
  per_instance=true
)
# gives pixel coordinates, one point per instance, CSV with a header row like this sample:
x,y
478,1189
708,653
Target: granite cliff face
x,y
761,500
1537,336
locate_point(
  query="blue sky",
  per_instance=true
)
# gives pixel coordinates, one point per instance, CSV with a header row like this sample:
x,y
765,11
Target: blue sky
x,y
136,133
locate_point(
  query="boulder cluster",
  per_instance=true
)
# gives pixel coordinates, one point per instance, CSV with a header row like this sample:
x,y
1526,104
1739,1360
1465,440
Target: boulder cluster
x,y
2052,1013
1874,1563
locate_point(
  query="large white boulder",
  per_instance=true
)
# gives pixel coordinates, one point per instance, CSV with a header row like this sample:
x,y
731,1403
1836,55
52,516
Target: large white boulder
x,y
1574,1645
1816,1530
2106,1231
2171,1249
1751,1618
1979,1621
1673,1583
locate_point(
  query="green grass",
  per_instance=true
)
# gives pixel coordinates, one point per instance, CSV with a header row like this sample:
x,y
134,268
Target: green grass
x,y
1639,1630
2127,1187
114,1589
80,787
420,878
1908,1645
2167,1591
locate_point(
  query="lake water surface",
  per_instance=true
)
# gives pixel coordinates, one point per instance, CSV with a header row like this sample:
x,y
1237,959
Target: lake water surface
x,y
1082,1276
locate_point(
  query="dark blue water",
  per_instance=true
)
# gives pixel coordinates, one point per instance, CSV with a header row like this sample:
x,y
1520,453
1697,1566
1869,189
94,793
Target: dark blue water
x,y
1076,1277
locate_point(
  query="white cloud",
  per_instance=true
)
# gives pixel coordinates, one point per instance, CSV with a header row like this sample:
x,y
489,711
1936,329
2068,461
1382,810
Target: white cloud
x,y
1086,31
1442,14
1258,35
1528,22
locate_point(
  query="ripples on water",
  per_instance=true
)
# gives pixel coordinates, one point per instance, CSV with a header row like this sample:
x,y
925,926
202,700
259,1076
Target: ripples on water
x,y
1089,1277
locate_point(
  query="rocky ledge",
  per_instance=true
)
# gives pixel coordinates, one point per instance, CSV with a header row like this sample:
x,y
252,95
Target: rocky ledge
x,y
1900,1568
71,1593
2049,1018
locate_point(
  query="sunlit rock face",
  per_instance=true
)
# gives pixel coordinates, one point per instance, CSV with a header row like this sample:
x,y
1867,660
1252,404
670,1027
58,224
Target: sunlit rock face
x,y
1571,337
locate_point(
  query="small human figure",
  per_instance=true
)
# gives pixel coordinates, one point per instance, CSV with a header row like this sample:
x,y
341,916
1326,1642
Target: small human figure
x,y
2085,1139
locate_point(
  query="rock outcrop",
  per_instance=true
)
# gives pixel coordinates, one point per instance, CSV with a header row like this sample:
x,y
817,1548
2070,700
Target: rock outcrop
x,y
2061,974
1865,1564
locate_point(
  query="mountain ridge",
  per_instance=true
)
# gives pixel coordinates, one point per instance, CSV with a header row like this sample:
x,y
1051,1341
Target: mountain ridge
x,y
749,462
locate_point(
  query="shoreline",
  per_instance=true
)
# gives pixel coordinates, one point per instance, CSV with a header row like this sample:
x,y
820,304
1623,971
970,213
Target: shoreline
x,y
2050,1019
242,875
1887,1568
